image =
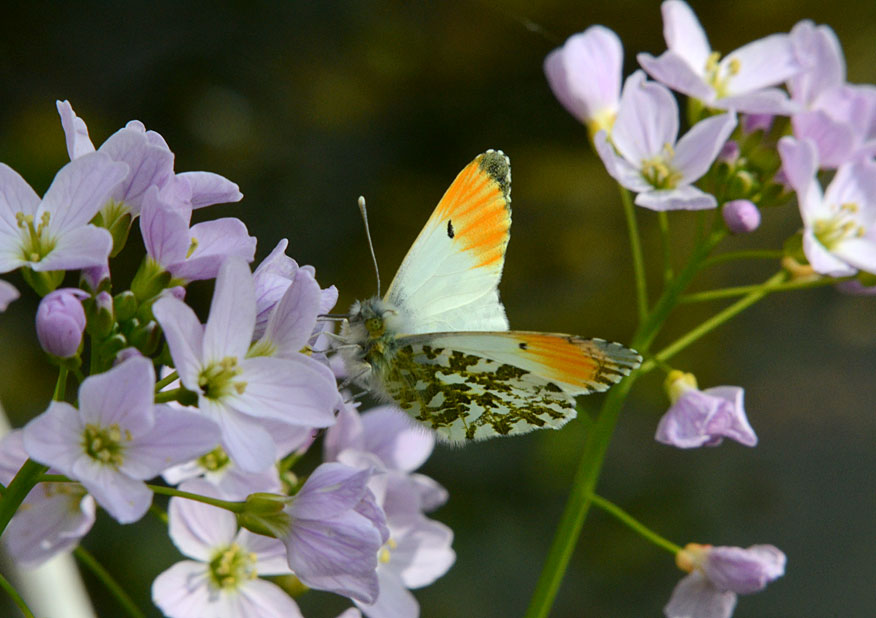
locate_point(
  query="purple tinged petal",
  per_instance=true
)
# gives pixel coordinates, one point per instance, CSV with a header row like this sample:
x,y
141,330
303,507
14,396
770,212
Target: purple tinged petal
x,y
835,141
683,198
124,498
684,35
15,196
183,590
215,241
763,101
266,600
585,73
80,189
244,438
431,493
294,318
859,252
741,216
399,442
423,553
799,163
83,247
346,433
855,183
760,64
209,188
75,131
149,165
695,597
184,335
270,553
54,437
744,571
122,395
698,148
198,529
298,390
394,600
647,120
60,322
8,294
164,229
228,331
818,50
618,168
331,490
177,436
704,418
671,69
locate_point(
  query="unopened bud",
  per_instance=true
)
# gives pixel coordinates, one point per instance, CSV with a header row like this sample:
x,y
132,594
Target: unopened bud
x,y
99,311
264,513
741,216
60,322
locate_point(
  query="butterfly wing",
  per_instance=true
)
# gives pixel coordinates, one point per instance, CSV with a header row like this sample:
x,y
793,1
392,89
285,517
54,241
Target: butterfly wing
x,y
449,278
476,385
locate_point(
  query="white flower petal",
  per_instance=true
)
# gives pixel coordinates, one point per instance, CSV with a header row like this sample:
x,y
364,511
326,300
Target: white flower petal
x,y
647,120
684,35
228,331
184,335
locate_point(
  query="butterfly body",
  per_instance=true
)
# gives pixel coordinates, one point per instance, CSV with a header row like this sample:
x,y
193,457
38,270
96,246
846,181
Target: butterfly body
x,y
438,343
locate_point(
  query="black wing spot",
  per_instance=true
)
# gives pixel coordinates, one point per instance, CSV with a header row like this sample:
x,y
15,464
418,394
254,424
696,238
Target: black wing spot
x,y
522,345
450,232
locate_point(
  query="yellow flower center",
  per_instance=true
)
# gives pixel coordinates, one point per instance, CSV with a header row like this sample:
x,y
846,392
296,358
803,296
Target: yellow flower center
x,y
658,170
232,567
105,444
217,379
841,226
36,243
714,75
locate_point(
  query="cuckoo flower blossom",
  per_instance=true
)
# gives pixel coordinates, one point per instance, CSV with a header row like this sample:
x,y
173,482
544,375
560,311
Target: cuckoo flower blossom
x,y
839,235
646,156
585,75
190,253
117,438
742,81
703,418
335,532
60,322
150,162
54,233
718,574
839,117
235,390
52,518
221,579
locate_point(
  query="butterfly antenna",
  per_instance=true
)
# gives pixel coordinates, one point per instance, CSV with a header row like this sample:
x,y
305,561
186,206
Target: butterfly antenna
x,y
364,212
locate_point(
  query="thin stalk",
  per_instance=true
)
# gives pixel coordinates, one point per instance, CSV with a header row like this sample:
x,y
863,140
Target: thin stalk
x,y
628,520
166,380
663,219
742,290
638,259
108,581
60,385
16,598
171,395
234,507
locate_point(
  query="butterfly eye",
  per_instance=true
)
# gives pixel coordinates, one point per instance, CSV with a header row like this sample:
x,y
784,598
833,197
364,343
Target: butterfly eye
x,y
375,326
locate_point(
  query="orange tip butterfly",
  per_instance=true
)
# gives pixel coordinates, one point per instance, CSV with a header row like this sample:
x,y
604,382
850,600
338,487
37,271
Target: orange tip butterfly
x,y
438,345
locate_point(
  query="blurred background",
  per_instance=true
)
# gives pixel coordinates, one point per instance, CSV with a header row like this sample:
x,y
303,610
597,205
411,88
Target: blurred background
x,y
308,105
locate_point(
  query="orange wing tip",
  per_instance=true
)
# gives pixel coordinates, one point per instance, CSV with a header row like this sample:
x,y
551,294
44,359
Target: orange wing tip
x,y
497,166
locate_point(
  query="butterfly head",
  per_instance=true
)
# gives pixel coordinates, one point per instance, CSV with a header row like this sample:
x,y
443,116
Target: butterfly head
x,y
372,320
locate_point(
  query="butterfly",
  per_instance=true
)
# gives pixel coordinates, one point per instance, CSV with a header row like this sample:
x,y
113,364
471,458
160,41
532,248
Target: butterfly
x,y
438,345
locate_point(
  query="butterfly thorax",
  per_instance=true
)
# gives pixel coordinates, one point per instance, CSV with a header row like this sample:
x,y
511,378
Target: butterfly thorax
x,y
370,337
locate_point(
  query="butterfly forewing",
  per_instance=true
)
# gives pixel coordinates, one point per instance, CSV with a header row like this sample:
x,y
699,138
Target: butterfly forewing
x,y
468,396
449,279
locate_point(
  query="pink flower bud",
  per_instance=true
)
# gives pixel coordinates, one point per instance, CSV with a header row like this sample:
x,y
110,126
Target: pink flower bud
x,y
60,322
741,216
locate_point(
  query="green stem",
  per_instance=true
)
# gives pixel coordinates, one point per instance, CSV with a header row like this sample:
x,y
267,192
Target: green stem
x,y
578,502
631,522
663,219
107,580
234,507
714,322
17,491
757,254
742,290
171,395
636,248
60,385
13,593
166,380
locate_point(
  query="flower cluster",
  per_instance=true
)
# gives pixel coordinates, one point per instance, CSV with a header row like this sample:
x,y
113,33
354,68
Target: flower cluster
x,y
764,121
220,411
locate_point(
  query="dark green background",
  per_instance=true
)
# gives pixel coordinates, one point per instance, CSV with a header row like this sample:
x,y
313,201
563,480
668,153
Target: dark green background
x,y
308,105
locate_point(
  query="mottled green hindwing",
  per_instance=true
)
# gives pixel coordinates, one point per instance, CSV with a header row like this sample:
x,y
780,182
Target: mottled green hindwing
x,y
464,396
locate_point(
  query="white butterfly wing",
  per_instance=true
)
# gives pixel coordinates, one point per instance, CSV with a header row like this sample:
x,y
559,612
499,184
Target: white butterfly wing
x,y
449,279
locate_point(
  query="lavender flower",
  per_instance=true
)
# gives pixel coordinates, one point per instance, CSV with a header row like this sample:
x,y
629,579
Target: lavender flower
x,y
52,518
839,235
741,81
233,389
717,575
60,322
118,438
741,216
54,233
335,532
8,293
221,580
647,157
585,76
703,418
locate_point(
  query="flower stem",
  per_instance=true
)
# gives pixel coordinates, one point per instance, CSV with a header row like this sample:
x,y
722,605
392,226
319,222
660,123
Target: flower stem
x,y
742,290
166,380
578,502
663,219
171,395
234,507
17,490
636,248
60,385
16,598
107,580
631,522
